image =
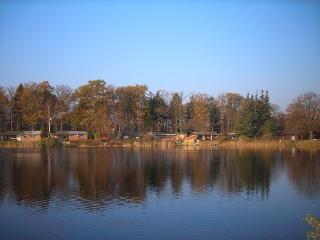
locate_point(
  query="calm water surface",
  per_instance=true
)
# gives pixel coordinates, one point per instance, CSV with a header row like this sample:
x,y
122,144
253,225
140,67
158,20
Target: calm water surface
x,y
157,194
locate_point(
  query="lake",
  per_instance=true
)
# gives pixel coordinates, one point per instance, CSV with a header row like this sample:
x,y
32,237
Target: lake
x,y
119,193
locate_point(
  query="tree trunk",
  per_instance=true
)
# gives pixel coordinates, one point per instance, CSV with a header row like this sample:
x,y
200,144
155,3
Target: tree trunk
x,y
228,125
119,131
11,120
311,134
49,127
61,123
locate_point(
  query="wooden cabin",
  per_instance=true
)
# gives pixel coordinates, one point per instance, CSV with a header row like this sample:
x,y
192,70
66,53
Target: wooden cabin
x,y
164,136
104,137
70,135
21,136
130,135
294,135
206,135
232,136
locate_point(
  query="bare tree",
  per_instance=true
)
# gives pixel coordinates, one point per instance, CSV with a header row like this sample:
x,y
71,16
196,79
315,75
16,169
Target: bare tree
x,y
304,113
47,103
3,108
10,93
64,98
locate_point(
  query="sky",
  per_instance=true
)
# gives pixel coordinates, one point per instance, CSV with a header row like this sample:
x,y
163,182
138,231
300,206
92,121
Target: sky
x,y
191,46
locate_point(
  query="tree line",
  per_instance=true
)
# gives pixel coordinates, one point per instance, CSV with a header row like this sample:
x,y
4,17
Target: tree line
x,y
100,108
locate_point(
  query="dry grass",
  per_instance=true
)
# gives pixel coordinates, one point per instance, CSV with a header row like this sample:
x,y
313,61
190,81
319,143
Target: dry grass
x,y
230,144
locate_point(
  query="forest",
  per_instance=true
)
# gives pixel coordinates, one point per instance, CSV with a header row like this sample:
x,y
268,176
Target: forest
x,y
100,108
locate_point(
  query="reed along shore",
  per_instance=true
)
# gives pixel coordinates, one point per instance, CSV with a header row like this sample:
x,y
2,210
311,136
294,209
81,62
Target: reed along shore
x,y
229,144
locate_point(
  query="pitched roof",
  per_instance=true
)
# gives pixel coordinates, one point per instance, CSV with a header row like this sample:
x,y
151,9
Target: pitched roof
x,y
205,133
294,132
68,133
15,133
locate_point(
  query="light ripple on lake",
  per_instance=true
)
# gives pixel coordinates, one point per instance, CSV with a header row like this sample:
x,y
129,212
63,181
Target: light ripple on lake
x,y
157,194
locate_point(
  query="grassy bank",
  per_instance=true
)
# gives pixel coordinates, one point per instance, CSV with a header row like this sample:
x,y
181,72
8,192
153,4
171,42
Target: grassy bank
x,y
14,144
30,144
87,143
265,144
230,144
272,144
120,143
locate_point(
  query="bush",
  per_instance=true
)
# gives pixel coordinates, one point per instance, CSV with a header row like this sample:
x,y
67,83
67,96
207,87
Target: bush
x,y
49,142
244,138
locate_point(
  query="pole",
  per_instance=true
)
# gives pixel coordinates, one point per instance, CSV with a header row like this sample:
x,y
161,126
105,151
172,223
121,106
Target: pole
x,y
49,127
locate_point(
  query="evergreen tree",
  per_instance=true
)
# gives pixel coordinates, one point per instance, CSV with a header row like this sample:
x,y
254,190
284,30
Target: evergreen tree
x,y
254,116
175,112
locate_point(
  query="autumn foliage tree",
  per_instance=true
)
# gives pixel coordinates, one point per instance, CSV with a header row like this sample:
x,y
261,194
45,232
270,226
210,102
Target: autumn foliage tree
x,y
91,107
198,112
131,103
304,113
30,106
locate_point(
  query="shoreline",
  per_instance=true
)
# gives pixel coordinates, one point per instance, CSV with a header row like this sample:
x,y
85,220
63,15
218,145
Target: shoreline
x,y
227,144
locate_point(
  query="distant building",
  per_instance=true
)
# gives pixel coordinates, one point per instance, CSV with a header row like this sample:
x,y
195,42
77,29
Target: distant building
x,y
23,136
166,136
104,137
70,135
206,135
232,136
129,134
294,135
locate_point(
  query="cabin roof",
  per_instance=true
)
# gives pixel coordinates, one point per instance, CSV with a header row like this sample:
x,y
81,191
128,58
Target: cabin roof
x,y
68,133
294,132
205,133
164,134
15,133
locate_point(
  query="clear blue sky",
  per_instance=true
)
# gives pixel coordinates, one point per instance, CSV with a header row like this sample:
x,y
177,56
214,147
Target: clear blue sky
x,y
193,46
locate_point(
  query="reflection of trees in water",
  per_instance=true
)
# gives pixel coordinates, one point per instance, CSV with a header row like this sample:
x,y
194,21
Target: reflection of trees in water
x,y
102,176
247,171
30,178
198,166
304,171
5,172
